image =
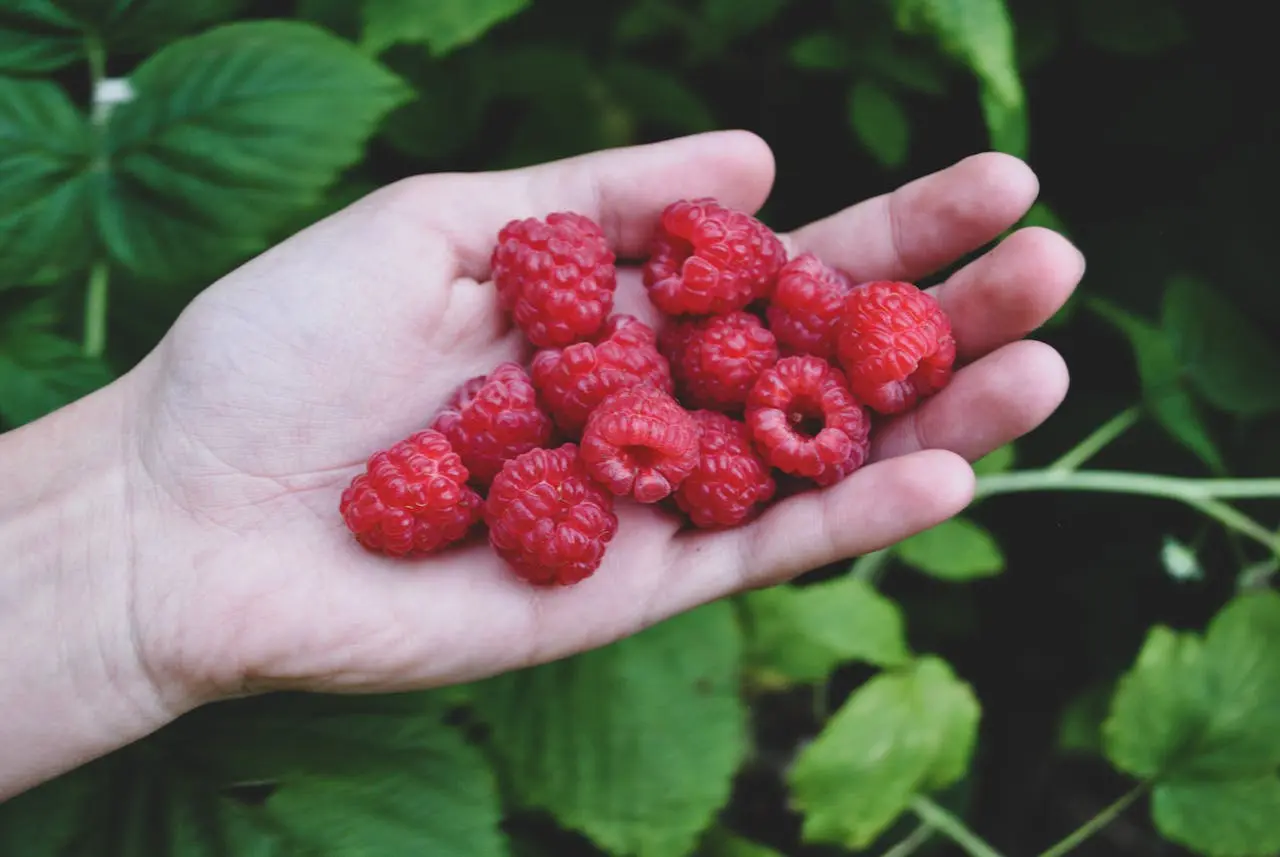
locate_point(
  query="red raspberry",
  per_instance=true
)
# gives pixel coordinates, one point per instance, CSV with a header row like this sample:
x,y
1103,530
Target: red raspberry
x,y
709,259
574,380
895,345
493,418
555,276
639,442
547,519
719,358
730,481
806,306
412,498
804,420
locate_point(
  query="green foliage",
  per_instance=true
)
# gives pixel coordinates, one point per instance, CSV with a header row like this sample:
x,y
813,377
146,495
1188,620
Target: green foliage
x,y
154,145
904,732
662,706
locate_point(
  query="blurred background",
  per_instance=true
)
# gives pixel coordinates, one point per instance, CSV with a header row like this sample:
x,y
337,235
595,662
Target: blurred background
x,y
1151,124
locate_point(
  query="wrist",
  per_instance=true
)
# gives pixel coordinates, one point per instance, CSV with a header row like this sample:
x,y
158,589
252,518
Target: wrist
x,y
75,681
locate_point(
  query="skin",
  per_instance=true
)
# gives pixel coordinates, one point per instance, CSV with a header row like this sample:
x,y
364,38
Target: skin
x,y
173,539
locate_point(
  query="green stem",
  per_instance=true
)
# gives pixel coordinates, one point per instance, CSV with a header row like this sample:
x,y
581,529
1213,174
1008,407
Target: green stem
x,y
1097,440
951,827
912,842
1234,519
95,311
1099,821
96,55
868,566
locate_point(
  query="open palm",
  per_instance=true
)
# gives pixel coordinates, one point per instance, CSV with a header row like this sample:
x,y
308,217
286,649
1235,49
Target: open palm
x,y
278,382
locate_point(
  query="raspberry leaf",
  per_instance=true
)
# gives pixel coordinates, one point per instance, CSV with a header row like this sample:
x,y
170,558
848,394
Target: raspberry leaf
x,y
955,550
800,634
1007,123
822,49
41,371
1233,818
45,153
442,25
902,733
1207,708
636,744
879,122
36,36
1161,378
278,777
230,133
1227,360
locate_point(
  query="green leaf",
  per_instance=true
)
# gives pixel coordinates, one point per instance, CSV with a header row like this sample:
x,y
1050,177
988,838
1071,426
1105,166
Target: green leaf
x,y
722,842
1160,375
799,634
1132,27
294,778
1227,359
921,73
879,122
979,33
999,460
658,96
957,549
901,734
36,36
45,153
442,25
1234,818
821,50
1007,122
450,104
40,371
636,744
135,24
1080,727
1208,708
231,133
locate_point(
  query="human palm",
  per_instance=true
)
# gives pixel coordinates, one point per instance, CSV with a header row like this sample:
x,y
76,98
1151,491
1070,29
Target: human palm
x,y
277,383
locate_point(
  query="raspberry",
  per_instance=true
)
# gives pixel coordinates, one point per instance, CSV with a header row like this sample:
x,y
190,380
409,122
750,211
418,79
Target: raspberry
x,y
639,442
555,276
709,259
895,345
412,498
719,358
805,422
547,519
806,306
493,418
574,380
730,480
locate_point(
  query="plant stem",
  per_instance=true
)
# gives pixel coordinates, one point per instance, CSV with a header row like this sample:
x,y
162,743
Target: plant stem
x,y
912,842
95,311
951,827
1097,440
1099,821
868,566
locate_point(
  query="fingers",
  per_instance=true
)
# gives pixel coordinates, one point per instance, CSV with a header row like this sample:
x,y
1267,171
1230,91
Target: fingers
x,y
926,224
877,506
1009,292
987,404
624,190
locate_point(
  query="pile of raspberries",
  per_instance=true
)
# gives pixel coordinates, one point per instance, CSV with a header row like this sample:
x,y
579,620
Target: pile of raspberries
x,y
766,366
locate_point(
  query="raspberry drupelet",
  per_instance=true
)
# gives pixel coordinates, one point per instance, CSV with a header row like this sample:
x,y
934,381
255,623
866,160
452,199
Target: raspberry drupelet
x,y
895,345
493,418
412,498
555,276
731,481
710,259
806,422
548,519
640,443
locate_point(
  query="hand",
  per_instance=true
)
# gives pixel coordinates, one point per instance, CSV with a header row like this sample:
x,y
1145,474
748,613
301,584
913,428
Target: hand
x,y
277,383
